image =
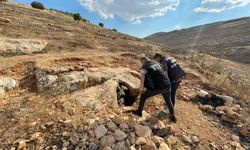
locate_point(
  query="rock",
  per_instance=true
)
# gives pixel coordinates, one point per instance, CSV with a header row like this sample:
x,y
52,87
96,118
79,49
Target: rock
x,y
5,20
111,126
7,84
132,137
162,132
149,146
159,125
107,141
21,145
228,101
120,146
157,140
244,129
202,93
93,146
35,136
186,139
117,120
163,146
120,135
100,131
143,131
74,138
132,148
124,126
172,140
226,119
107,148
18,46
235,138
140,141
232,114
207,108
195,139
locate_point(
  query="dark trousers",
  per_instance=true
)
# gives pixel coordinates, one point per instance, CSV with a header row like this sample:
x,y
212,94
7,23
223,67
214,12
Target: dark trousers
x,y
166,93
174,87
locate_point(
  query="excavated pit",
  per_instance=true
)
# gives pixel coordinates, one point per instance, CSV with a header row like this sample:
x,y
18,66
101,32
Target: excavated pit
x,y
125,96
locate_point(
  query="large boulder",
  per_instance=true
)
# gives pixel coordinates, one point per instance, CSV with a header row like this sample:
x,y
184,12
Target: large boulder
x,y
91,87
12,47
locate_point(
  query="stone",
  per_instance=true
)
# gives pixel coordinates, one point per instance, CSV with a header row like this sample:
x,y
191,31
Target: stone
x,y
120,146
107,141
100,131
74,138
93,146
202,93
163,146
186,139
172,140
7,83
235,138
149,146
157,140
66,143
117,120
19,46
228,101
143,131
195,139
120,135
21,145
244,129
107,148
207,108
226,119
132,137
159,125
123,126
232,114
111,126
35,136
132,148
140,141
162,132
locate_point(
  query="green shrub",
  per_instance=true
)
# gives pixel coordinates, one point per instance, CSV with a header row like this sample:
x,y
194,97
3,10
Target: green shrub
x,y
37,5
77,17
114,30
101,24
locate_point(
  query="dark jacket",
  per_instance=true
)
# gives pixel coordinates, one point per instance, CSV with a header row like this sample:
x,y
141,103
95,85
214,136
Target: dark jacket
x,y
155,77
174,71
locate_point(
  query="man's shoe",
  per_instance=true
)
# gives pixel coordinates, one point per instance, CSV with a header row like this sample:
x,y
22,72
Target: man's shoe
x,y
173,118
138,113
166,111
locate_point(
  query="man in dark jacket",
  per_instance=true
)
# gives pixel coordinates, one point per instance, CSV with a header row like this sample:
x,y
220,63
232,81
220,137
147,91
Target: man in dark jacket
x,y
156,82
174,72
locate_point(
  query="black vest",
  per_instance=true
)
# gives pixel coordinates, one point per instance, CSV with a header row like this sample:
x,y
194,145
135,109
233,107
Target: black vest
x,y
155,78
175,72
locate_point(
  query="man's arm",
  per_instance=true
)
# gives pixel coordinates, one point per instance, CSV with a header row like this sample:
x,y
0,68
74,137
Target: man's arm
x,y
142,82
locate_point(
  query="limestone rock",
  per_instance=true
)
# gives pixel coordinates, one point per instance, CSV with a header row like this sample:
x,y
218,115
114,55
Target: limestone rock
x,y
120,135
120,146
107,140
21,145
202,93
100,131
163,146
140,141
143,131
186,139
111,126
6,84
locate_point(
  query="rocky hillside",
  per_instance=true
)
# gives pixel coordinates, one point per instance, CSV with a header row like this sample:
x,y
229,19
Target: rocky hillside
x,y
228,39
68,85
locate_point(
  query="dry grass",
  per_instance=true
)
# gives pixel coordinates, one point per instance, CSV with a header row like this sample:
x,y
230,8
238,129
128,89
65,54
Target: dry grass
x,y
214,69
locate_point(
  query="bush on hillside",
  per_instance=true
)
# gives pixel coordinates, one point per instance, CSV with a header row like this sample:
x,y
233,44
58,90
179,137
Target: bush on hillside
x,y
114,30
37,5
77,17
101,24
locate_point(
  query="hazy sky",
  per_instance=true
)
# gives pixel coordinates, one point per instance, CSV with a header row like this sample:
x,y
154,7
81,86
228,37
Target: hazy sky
x,y
141,18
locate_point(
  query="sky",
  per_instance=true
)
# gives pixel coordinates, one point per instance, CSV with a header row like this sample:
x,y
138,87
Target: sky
x,y
141,18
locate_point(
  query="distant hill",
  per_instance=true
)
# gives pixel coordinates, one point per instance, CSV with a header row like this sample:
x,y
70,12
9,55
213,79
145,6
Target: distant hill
x,y
229,39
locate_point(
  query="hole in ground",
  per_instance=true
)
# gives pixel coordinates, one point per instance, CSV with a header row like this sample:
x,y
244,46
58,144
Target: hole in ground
x,y
124,96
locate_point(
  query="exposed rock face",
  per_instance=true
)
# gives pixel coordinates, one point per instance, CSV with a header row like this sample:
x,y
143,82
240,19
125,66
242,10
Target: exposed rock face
x,y
6,84
11,47
103,82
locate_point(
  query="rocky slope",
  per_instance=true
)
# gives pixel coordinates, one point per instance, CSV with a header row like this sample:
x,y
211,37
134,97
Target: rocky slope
x,y
228,39
58,96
